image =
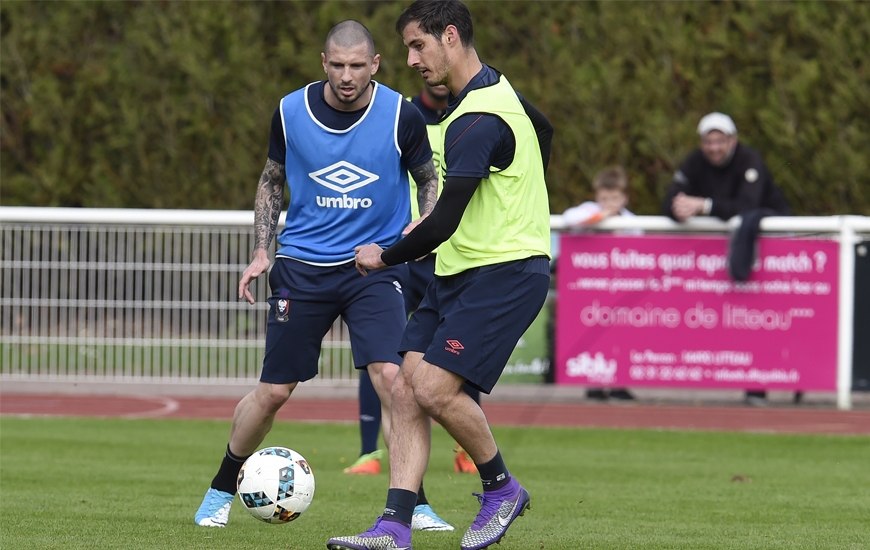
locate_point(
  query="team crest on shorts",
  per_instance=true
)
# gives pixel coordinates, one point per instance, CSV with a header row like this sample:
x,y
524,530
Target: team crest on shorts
x,y
282,310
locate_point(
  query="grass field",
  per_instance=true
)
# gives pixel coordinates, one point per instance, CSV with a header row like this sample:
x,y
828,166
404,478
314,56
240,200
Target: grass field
x,y
129,484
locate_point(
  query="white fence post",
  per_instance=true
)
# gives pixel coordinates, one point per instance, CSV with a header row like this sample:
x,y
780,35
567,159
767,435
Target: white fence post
x,y
845,336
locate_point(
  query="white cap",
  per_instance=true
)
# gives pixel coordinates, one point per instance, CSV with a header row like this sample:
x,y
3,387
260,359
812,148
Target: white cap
x,y
716,121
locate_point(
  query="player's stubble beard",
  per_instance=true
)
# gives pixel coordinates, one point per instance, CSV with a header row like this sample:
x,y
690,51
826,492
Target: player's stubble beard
x,y
439,73
360,91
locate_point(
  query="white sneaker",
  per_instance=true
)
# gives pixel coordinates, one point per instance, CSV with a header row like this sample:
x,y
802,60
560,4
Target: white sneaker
x,y
215,509
425,519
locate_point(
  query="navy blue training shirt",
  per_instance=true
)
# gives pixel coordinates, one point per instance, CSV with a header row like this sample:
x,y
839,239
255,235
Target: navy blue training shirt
x,y
413,138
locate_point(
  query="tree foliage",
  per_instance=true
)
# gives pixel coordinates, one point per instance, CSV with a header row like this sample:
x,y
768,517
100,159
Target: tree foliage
x,y
168,104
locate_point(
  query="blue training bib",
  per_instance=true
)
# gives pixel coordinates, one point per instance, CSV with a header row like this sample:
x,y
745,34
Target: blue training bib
x,y
347,187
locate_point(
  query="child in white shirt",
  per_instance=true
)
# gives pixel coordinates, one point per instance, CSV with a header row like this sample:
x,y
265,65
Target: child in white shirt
x,y
611,198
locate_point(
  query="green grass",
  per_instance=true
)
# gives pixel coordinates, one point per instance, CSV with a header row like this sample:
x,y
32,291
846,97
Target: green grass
x,y
121,484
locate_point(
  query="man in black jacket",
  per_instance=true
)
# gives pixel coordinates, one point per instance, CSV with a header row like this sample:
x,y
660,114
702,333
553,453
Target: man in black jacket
x,y
724,178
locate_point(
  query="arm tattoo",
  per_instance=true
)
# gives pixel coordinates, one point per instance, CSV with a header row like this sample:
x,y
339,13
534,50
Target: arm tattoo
x,y
268,204
427,186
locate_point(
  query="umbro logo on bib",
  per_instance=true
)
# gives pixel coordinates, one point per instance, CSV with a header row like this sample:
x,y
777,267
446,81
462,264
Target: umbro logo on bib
x,y
343,177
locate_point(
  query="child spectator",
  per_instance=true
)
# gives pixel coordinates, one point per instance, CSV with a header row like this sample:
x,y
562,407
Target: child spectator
x,y
611,198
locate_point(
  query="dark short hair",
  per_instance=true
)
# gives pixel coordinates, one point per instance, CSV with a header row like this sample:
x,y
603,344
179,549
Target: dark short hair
x,y
612,178
350,33
433,16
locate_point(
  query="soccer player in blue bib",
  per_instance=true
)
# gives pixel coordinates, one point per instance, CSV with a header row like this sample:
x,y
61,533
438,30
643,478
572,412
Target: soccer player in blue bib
x,y
491,277
344,147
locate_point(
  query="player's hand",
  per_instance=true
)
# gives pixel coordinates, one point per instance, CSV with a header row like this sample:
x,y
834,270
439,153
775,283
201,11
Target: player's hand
x,y
368,257
410,227
684,206
414,223
258,265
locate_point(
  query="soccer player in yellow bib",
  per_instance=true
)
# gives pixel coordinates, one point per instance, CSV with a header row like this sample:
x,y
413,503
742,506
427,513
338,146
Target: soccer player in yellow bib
x,y
491,277
432,104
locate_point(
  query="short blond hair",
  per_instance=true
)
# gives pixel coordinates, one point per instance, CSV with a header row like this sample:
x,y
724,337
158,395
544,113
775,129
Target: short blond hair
x,y
612,178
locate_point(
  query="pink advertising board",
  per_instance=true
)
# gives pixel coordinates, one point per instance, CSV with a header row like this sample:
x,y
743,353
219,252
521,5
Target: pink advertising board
x,y
662,311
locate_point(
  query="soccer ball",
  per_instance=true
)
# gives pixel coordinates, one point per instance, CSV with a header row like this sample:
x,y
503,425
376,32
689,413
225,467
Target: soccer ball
x,y
276,485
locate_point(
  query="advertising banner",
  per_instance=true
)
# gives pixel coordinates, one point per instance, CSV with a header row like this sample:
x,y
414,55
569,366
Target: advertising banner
x,y
662,311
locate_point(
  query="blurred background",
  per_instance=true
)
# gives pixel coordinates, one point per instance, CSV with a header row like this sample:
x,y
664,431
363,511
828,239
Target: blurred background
x,y
167,104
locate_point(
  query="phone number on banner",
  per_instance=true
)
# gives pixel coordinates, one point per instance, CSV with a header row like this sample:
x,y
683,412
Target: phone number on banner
x,y
697,374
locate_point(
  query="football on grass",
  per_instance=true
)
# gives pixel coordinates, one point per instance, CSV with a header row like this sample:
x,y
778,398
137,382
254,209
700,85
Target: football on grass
x,y
276,485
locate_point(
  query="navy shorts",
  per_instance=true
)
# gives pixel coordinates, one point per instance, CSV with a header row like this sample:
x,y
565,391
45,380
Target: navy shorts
x,y
420,274
306,299
470,323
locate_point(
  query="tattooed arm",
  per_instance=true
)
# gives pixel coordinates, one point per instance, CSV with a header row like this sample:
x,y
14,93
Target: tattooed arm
x,y
267,209
427,191
267,205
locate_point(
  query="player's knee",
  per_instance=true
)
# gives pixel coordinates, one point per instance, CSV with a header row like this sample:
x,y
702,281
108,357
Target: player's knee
x,y
383,374
431,400
383,379
273,396
402,390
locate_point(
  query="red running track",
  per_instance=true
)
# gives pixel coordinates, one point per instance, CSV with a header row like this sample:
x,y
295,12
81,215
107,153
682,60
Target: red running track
x,y
785,420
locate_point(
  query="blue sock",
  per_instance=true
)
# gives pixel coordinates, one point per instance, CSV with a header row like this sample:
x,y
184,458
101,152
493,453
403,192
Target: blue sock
x,y
369,414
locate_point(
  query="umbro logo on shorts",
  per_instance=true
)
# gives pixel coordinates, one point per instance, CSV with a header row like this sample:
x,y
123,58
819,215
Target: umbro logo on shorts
x,y
453,346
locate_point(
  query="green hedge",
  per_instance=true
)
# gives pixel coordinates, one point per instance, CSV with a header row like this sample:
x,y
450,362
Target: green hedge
x,y
168,104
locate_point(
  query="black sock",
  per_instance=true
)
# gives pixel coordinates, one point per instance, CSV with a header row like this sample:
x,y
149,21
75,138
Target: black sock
x,y
400,505
494,474
227,477
421,496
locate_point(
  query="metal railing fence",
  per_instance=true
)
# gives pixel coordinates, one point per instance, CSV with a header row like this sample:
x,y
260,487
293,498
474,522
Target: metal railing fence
x,y
126,295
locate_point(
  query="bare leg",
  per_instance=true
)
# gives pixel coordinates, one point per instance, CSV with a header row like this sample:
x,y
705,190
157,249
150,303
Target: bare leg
x,y
411,438
382,376
255,415
439,393
252,420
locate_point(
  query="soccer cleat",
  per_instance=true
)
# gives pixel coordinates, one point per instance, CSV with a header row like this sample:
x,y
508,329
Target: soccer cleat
x,y
215,509
369,464
383,535
425,519
462,463
498,509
